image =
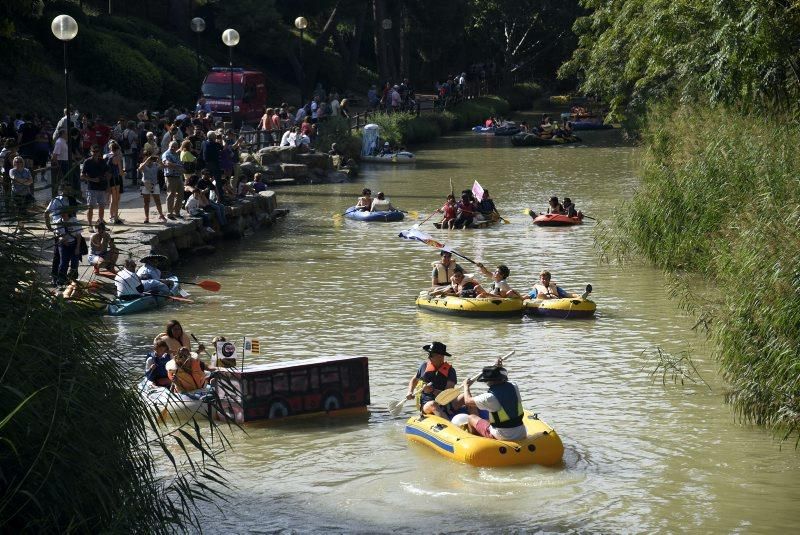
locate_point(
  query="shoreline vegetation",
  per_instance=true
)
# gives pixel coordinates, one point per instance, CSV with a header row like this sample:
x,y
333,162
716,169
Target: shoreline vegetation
x,y
720,199
720,195
407,128
80,450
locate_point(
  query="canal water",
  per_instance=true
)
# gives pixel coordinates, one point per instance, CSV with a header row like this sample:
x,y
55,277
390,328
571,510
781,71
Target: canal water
x,y
641,456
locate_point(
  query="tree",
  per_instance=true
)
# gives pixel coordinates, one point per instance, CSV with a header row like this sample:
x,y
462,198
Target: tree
x,y
733,52
520,32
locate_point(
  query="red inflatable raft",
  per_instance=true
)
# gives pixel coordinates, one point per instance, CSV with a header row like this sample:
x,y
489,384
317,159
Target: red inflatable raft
x,y
556,220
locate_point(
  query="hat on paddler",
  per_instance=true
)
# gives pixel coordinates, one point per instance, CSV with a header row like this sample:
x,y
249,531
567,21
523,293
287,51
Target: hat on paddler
x,y
436,347
154,259
493,373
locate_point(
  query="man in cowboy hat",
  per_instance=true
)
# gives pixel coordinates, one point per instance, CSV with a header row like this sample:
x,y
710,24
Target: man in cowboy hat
x,y
150,274
437,374
503,403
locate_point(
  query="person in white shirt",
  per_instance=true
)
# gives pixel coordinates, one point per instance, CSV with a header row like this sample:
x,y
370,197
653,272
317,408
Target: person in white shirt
x,y
289,137
127,282
503,402
381,204
335,106
61,154
150,275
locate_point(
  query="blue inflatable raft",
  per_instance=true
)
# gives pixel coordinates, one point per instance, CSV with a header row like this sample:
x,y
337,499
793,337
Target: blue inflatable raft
x,y
359,215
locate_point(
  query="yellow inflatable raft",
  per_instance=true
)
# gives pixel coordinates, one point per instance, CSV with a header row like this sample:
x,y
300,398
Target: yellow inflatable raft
x,y
476,307
570,307
543,445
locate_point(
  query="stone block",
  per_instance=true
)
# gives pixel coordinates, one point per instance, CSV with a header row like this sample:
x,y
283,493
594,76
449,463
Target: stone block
x,y
274,171
315,160
270,155
246,157
294,170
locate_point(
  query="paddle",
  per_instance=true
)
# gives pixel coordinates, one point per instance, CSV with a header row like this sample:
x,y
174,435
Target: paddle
x,y
503,219
413,214
396,407
350,211
200,344
417,225
211,286
448,395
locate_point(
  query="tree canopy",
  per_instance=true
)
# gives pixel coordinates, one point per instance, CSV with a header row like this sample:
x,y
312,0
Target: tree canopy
x,y
737,52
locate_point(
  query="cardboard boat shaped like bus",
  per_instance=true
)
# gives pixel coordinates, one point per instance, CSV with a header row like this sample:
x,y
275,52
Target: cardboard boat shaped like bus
x,y
325,385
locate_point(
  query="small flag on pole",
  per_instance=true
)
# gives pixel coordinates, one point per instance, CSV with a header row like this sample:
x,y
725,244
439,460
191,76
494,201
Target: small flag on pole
x,y
252,346
477,190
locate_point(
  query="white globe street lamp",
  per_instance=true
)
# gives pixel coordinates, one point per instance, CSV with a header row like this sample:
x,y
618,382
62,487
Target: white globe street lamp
x,y
198,25
65,29
301,24
231,38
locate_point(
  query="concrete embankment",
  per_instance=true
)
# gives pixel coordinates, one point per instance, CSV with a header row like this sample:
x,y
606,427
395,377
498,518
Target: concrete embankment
x,y
179,238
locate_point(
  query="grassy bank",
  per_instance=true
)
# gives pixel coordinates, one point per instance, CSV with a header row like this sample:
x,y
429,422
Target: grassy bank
x,y
720,198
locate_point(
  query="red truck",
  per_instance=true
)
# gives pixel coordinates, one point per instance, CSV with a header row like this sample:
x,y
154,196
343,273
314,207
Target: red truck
x,y
249,93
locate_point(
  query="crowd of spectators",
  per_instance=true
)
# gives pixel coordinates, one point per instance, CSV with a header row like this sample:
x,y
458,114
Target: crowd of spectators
x,y
392,97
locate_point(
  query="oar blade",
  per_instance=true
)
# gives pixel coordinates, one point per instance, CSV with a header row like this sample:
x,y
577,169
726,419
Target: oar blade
x,y
211,286
448,396
396,407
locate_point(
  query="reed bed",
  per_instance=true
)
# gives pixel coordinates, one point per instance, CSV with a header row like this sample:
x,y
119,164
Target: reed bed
x,y
719,209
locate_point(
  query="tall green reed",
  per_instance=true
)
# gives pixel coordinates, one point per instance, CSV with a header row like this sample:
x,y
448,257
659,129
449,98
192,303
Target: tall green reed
x,y
719,209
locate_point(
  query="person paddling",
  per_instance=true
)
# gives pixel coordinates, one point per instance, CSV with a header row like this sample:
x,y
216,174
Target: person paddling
x,y
504,403
438,375
151,277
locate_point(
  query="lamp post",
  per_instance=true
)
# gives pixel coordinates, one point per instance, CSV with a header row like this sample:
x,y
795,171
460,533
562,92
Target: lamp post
x,y
198,25
301,24
231,38
386,24
65,29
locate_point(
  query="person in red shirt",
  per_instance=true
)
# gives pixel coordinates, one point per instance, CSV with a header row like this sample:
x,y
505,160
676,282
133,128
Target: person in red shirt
x,y
450,212
102,132
87,136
